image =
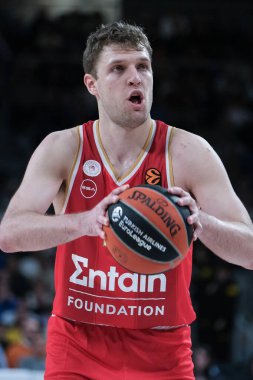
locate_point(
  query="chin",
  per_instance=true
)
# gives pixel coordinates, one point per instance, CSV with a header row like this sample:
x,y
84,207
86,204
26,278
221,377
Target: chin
x,y
135,119
133,123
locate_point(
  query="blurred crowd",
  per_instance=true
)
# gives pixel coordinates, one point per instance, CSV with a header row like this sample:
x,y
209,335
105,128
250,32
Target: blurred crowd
x,y
203,83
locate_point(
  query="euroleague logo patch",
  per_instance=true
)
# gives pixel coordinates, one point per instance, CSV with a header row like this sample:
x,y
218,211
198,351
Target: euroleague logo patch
x,y
153,177
92,168
117,214
88,188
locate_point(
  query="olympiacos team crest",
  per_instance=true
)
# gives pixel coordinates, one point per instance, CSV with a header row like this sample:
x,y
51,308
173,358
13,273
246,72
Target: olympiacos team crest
x,y
92,168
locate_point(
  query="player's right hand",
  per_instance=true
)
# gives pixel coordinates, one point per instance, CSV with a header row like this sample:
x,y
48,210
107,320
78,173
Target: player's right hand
x,y
97,217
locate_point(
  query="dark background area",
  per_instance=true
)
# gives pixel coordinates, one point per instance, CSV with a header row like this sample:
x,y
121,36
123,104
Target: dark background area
x,y
203,72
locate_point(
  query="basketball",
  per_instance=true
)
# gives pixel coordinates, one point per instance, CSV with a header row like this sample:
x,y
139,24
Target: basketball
x,y
148,231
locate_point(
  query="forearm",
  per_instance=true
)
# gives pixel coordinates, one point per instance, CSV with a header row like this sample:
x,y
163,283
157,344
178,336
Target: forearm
x,y
30,231
231,241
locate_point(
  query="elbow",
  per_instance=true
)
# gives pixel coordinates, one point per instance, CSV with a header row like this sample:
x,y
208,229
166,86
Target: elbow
x,y
6,241
249,265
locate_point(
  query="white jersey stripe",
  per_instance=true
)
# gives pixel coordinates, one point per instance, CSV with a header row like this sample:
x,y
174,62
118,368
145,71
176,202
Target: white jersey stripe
x,y
75,169
167,157
137,166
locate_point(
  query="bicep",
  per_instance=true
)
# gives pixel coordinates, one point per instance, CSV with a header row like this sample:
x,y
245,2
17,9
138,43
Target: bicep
x,y
36,192
213,190
41,182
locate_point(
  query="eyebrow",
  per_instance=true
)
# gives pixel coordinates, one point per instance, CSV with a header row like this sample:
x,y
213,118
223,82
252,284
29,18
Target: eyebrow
x,y
117,61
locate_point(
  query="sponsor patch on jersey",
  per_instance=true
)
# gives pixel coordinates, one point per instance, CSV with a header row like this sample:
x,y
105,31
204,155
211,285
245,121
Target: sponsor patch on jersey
x,y
153,176
92,168
88,188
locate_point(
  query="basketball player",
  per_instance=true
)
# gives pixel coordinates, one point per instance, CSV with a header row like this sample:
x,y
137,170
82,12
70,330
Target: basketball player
x,y
108,323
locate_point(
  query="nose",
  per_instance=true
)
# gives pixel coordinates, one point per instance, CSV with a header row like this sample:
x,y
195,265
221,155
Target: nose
x,y
134,78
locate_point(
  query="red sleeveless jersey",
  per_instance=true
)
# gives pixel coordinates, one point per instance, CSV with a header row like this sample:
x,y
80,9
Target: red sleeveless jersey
x,y
91,287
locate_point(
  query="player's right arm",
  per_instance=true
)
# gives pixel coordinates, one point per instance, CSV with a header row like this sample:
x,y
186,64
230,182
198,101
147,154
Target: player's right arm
x,y
25,225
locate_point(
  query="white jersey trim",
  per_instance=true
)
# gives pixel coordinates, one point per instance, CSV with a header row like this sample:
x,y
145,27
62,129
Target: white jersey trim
x,y
75,169
106,164
169,170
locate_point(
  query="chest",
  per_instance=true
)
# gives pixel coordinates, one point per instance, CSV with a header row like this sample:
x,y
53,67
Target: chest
x,y
94,176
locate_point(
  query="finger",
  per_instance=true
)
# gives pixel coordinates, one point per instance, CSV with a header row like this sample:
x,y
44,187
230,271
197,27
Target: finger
x,y
195,236
111,198
193,218
186,201
100,231
177,190
103,220
120,189
101,234
197,231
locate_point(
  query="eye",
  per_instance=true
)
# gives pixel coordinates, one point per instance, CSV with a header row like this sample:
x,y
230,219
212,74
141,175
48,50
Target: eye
x,y
143,66
118,68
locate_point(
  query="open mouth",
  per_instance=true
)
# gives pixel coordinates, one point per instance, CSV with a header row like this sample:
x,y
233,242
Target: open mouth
x,y
136,99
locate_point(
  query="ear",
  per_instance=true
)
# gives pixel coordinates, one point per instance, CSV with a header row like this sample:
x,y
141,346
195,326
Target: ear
x,y
90,83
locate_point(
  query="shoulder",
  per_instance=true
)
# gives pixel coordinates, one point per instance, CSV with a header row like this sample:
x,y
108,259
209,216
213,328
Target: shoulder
x,y
192,157
186,141
67,138
187,146
57,151
63,143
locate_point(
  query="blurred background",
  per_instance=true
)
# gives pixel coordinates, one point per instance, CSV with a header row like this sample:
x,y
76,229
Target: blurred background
x,y
203,69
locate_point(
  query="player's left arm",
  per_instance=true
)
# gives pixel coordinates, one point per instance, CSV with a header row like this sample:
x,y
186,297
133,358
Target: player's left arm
x,y
223,223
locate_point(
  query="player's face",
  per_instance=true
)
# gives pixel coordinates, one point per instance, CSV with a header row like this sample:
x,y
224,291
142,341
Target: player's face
x,y
124,85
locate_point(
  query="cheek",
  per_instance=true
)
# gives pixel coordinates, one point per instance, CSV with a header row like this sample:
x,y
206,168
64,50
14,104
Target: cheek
x,y
113,95
151,84
110,99
151,92
108,91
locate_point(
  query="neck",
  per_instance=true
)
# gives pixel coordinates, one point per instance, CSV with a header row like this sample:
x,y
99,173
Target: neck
x,y
119,142
124,145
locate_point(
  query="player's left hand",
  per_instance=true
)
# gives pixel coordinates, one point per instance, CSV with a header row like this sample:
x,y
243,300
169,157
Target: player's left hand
x,y
185,199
